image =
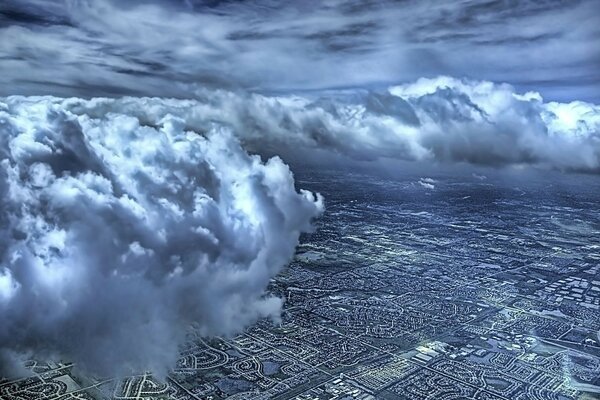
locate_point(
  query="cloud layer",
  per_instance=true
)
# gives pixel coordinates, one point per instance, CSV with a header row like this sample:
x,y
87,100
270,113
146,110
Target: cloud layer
x,y
433,120
168,48
116,236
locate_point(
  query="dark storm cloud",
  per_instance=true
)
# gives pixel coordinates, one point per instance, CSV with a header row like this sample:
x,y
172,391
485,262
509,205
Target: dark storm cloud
x,y
117,236
170,48
34,13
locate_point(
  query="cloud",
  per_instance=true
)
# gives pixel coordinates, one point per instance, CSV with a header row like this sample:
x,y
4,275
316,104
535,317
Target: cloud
x,y
485,123
169,48
440,120
427,183
116,236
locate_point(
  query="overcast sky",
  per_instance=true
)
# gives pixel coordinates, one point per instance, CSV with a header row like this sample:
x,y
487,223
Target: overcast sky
x,y
93,48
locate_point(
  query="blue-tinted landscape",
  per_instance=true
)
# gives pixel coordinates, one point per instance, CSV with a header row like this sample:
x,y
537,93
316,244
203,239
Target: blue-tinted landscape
x,y
448,285
299,200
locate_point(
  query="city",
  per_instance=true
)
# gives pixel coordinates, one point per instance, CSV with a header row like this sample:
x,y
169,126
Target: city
x,y
470,288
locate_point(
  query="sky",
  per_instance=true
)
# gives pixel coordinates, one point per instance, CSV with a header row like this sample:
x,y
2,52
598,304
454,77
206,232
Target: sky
x,y
162,48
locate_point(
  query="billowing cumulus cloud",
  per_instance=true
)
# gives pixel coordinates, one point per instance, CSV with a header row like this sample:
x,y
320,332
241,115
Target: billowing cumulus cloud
x,y
435,120
116,236
487,123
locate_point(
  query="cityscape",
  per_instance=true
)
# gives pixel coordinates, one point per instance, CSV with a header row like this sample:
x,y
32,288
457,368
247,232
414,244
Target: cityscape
x,y
442,287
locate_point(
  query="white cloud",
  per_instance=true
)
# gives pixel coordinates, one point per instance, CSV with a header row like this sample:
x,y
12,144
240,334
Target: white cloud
x,y
116,237
8,286
427,183
437,120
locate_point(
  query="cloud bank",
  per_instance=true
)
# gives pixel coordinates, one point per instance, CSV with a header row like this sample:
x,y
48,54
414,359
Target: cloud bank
x,y
440,120
116,236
